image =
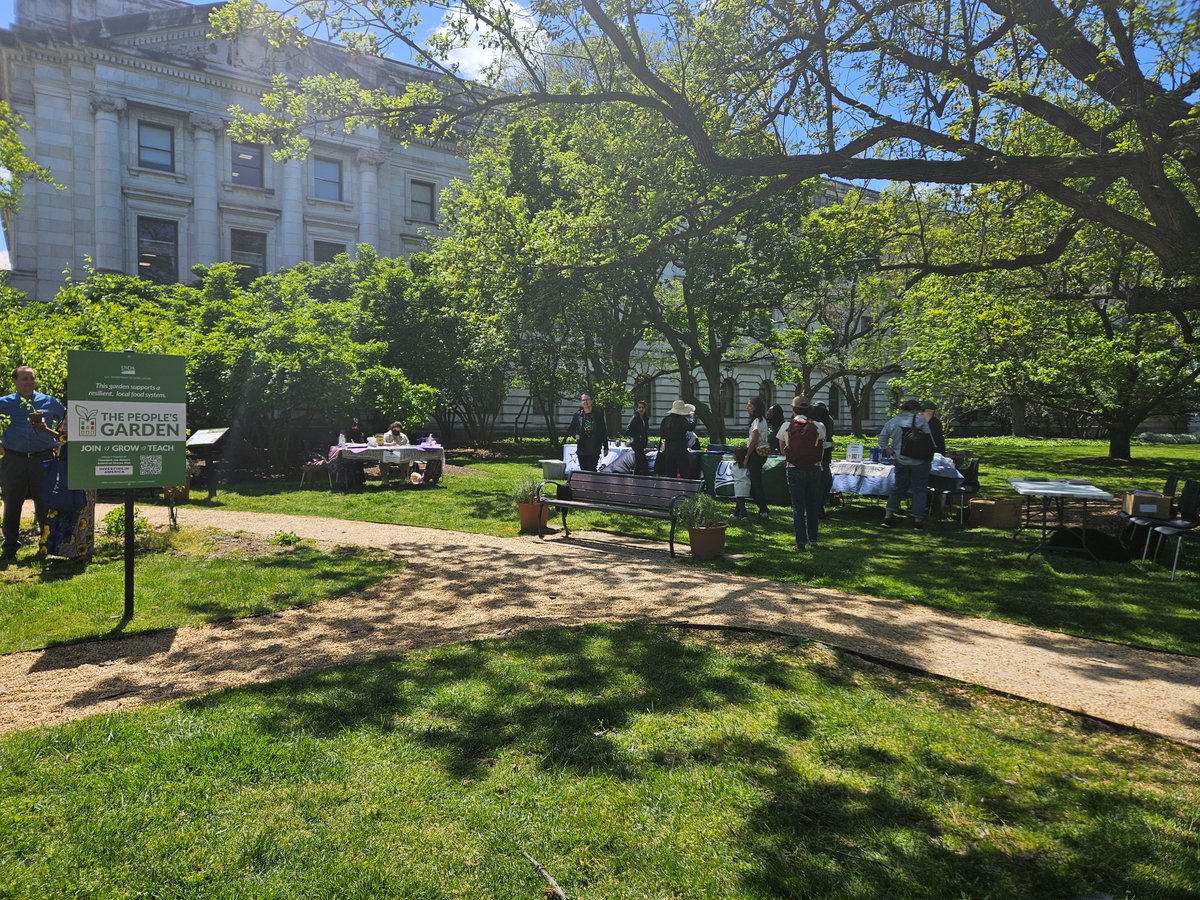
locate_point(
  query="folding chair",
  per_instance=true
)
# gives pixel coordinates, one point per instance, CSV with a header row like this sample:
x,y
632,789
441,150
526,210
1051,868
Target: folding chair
x,y
1188,518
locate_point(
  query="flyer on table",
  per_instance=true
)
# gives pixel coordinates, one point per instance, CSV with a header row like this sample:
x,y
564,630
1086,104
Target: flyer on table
x,y
126,420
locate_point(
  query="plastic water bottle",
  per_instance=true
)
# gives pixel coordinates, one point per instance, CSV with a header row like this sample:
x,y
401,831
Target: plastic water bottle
x,y
341,439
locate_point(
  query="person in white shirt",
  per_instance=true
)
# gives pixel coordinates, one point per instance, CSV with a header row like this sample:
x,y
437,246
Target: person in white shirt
x,y
757,451
395,435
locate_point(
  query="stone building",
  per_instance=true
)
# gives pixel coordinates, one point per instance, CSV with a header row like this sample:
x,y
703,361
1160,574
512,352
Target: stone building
x,y
127,103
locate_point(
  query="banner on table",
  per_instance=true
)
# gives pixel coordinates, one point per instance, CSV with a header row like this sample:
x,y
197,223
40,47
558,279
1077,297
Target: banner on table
x,y
126,420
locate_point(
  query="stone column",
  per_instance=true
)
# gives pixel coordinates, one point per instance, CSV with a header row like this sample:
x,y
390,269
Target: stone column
x,y
206,225
291,217
109,245
368,194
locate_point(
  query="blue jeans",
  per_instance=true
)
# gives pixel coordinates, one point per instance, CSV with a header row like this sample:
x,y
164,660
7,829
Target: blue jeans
x,y
916,477
804,485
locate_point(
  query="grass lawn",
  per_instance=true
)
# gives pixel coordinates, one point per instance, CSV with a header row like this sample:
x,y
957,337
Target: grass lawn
x,y
204,576
973,571
631,762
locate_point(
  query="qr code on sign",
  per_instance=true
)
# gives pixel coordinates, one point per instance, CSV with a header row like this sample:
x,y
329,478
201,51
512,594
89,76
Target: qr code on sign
x,y
150,465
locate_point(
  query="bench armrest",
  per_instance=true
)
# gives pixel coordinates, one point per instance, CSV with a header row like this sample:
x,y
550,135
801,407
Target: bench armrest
x,y
541,490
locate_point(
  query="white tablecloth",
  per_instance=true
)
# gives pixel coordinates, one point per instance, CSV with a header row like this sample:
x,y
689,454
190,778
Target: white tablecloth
x,y
393,454
876,479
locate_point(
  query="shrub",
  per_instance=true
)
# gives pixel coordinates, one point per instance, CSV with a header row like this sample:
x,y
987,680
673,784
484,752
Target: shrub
x,y
285,539
701,511
114,523
526,490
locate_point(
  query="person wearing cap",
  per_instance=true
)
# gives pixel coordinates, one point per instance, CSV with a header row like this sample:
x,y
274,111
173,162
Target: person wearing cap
x,y
589,430
929,411
395,435
674,445
910,473
29,441
805,482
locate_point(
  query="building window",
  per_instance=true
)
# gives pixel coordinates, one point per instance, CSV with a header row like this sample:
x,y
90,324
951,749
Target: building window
x,y
421,205
766,390
325,251
248,250
156,147
835,402
248,165
729,391
158,250
327,179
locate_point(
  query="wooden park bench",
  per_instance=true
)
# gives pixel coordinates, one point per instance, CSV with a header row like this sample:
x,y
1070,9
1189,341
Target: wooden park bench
x,y
631,495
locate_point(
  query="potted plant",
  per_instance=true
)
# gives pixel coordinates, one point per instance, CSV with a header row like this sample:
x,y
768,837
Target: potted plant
x,y
525,494
705,521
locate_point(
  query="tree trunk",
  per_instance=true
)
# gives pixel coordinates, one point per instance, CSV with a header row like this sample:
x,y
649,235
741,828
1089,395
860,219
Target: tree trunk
x,y
1119,439
1020,427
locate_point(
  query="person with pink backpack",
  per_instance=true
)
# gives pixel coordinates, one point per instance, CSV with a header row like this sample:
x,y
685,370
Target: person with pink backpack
x,y
802,439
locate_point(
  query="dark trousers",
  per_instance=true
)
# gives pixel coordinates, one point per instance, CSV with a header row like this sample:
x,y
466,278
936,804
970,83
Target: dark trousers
x,y
804,485
21,479
675,461
758,493
641,465
826,475
588,461
916,477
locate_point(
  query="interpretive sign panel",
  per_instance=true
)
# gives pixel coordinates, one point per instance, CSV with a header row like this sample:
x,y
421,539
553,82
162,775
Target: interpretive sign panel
x,y
126,420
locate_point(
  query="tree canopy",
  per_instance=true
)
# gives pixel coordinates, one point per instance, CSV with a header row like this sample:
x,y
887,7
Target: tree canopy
x,y
1091,105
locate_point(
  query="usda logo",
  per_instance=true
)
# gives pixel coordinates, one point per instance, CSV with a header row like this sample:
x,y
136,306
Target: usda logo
x,y
87,420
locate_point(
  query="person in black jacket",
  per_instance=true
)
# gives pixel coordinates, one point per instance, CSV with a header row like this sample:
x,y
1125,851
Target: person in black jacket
x,y
821,414
588,428
674,430
929,411
639,439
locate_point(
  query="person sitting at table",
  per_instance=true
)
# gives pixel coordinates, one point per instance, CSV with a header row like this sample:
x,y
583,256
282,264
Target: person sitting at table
x,y
354,434
395,435
929,411
912,471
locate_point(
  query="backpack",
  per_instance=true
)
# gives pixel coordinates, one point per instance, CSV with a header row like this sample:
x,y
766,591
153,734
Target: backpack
x,y
915,443
803,443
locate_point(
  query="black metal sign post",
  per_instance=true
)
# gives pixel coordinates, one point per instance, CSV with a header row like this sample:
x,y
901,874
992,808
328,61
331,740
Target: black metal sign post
x,y
129,547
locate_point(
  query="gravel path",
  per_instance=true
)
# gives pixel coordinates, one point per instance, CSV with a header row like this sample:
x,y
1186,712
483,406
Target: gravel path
x,y
458,587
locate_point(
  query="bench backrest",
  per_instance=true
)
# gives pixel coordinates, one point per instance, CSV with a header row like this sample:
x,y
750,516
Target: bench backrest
x,y
645,491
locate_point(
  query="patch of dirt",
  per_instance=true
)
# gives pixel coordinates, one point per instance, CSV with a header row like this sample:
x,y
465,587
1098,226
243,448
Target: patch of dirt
x,y
1111,463
462,470
456,587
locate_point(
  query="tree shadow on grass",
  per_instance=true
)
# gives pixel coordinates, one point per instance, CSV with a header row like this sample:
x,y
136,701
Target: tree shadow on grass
x,y
838,814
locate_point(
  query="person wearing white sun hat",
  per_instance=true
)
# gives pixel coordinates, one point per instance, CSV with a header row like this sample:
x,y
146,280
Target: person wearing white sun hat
x,y
674,430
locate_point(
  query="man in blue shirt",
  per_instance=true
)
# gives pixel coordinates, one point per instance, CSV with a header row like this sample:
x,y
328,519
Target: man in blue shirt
x,y
29,441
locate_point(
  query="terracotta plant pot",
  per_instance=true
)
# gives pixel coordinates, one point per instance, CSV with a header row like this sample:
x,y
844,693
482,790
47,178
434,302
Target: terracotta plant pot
x,y
528,513
707,542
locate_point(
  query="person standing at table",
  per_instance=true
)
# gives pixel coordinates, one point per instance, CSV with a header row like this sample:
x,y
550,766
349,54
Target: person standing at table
x,y
591,437
775,420
907,435
673,432
821,414
639,438
757,450
29,441
800,439
929,411
354,434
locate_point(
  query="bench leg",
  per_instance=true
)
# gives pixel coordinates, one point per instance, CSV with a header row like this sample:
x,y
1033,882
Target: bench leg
x,y
566,530
672,541
541,509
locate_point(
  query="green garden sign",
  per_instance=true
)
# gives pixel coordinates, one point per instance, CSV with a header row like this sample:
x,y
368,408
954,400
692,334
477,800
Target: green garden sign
x,y
126,420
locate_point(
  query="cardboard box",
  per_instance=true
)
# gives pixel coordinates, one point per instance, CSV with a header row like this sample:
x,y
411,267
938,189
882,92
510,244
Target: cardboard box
x,y
1147,504
995,513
